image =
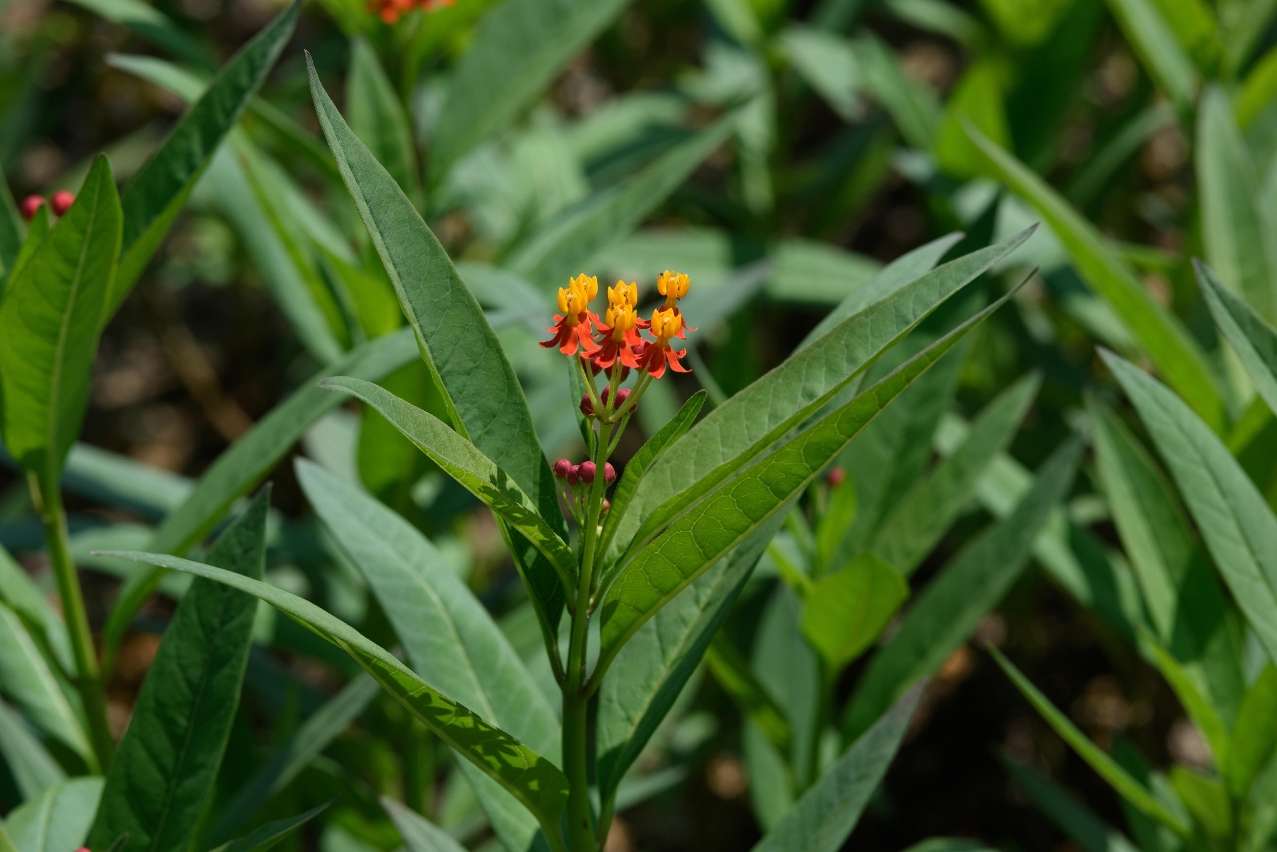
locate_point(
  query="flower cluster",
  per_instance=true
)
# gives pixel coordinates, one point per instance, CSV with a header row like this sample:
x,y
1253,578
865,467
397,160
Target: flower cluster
x,y
390,10
614,342
578,479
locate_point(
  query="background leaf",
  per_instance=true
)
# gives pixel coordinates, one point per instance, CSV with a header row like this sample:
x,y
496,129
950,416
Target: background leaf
x,y
58,819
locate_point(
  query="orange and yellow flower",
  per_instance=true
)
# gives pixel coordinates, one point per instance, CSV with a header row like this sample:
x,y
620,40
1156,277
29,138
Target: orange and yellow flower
x,y
620,328
674,286
667,323
574,323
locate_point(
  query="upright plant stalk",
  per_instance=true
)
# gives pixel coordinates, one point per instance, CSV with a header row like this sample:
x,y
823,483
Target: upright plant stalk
x,y
47,498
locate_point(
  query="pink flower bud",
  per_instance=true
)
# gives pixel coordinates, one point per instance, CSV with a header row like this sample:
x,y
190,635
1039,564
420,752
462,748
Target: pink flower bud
x,y
574,473
30,204
586,471
835,476
561,468
603,396
607,505
61,202
622,395
587,404
609,473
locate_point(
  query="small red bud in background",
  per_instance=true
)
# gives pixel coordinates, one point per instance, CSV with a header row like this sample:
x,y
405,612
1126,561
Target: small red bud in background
x,y
587,404
586,471
30,204
61,202
607,504
574,473
835,476
609,473
561,468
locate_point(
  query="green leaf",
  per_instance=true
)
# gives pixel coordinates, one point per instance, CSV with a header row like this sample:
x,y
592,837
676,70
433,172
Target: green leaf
x,y
1232,516
378,118
827,63
951,606
465,463
30,765
419,834
160,189
733,674
36,232
12,232
754,420
1071,816
1117,777
532,779
1163,338
912,105
977,98
643,460
558,249
1159,50
485,402
6,842
245,464
660,658
1184,601
148,23
19,592
521,45
727,516
1206,799
846,610
1238,238
167,763
50,321
265,837
919,520
822,819
1257,90
1254,734
1252,338
1192,699
314,735
58,819
30,683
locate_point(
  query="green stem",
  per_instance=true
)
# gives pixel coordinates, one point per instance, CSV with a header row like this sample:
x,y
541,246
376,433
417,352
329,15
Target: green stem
x,y
88,679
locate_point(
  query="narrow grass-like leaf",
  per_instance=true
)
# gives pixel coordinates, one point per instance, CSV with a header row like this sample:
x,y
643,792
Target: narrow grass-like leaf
x,y
240,468
58,819
1232,516
846,610
754,420
160,189
30,765
27,679
314,735
826,62
952,605
1071,816
1117,777
531,778
733,674
266,836
822,819
727,516
558,249
1254,734
1162,336
1239,242
167,763
920,519
465,463
149,23
419,834
378,118
19,592
50,321
1158,49
521,46
484,398
1206,799
1192,699
1253,338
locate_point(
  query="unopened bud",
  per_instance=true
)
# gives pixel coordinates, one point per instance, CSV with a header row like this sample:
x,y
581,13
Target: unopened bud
x,y
609,473
835,476
586,471
61,202
607,505
622,395
574,473
30,204
587,404
561,468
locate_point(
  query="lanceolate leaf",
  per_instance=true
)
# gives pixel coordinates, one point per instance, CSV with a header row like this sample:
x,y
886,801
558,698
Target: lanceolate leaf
x,y
1254,340
846,610
486,403
266,836
50,321
1073,817
418,833
752,421
246,463
1155,42
520,47
952,605
1232,516
532,779
167,763
1117,777
27,679
724,519
922,516
822,819
30,765
558,249
1161,335
466,464
58,819
160,189
12,232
